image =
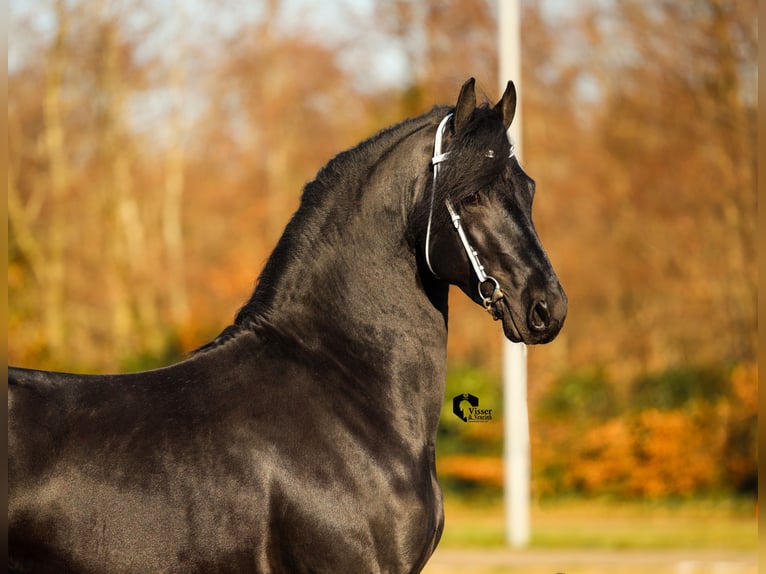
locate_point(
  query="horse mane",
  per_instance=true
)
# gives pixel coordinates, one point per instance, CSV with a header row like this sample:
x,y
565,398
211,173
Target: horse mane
x,y
342,175
468,167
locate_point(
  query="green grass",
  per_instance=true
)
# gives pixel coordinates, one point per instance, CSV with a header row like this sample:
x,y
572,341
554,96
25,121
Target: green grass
x,y
728,524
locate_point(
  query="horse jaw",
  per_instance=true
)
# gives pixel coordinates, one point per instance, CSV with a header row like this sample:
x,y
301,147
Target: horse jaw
x,y
501,311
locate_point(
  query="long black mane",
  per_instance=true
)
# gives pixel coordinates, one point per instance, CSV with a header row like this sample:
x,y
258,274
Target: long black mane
x,y
336,190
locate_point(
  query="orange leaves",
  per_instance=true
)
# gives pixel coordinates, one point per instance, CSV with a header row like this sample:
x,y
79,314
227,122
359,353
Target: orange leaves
x,y
484,470
673,454
655,453
602,459
744,385
699,446
684,431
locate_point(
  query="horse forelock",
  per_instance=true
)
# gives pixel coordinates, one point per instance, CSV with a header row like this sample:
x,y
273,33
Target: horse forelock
x,y
478,156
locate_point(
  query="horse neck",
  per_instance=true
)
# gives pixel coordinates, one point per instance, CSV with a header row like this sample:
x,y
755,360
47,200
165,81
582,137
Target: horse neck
x,y
345,282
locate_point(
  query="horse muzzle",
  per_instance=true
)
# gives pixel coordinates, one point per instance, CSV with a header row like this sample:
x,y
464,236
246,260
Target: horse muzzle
x,y
536,322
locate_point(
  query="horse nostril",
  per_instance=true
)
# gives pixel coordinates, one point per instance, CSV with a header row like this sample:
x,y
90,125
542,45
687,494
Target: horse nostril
x,y
539,317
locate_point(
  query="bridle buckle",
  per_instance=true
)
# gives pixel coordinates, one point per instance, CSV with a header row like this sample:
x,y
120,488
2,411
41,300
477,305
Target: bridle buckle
x,y
496,295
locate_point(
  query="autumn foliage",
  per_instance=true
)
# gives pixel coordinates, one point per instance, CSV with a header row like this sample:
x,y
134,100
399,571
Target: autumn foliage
x,y
155,155
699,447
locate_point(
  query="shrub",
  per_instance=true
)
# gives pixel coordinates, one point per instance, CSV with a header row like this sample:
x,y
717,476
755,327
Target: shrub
x,y
583,394
678,386
688,431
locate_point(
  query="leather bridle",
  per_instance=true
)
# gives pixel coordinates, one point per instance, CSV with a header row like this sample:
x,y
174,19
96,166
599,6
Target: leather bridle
x,y
438,158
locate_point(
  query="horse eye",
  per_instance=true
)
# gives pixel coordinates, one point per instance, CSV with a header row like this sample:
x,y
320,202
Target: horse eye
x,y
473,199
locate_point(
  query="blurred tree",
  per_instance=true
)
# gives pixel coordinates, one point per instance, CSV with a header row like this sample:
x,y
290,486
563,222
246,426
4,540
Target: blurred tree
x,y
446,42
133,301
680,219
75,209
175,160
639,118
45,258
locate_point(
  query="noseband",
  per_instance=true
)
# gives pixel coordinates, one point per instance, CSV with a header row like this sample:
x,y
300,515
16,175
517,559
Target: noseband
x,y
473,256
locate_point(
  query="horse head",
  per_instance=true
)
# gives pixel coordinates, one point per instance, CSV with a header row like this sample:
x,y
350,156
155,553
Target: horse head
x,y
480,234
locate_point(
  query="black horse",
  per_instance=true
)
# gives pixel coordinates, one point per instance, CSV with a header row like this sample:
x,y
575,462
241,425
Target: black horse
x,y
301,439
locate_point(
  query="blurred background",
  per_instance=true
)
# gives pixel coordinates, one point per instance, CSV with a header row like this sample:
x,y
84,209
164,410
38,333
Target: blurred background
x,y
157,150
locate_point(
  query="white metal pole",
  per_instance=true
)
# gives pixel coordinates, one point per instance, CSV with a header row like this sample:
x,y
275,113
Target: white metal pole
x,y
516,420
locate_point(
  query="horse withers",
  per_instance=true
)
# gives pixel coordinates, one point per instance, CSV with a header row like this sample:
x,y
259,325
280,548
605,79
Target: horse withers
x,y
301,439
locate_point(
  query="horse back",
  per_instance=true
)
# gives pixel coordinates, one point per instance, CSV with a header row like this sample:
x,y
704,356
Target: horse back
x,y
37,425
36,406
91,466
204,460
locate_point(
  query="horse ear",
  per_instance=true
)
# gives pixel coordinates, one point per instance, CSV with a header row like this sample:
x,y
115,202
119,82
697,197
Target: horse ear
x,y
466,103
506,107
